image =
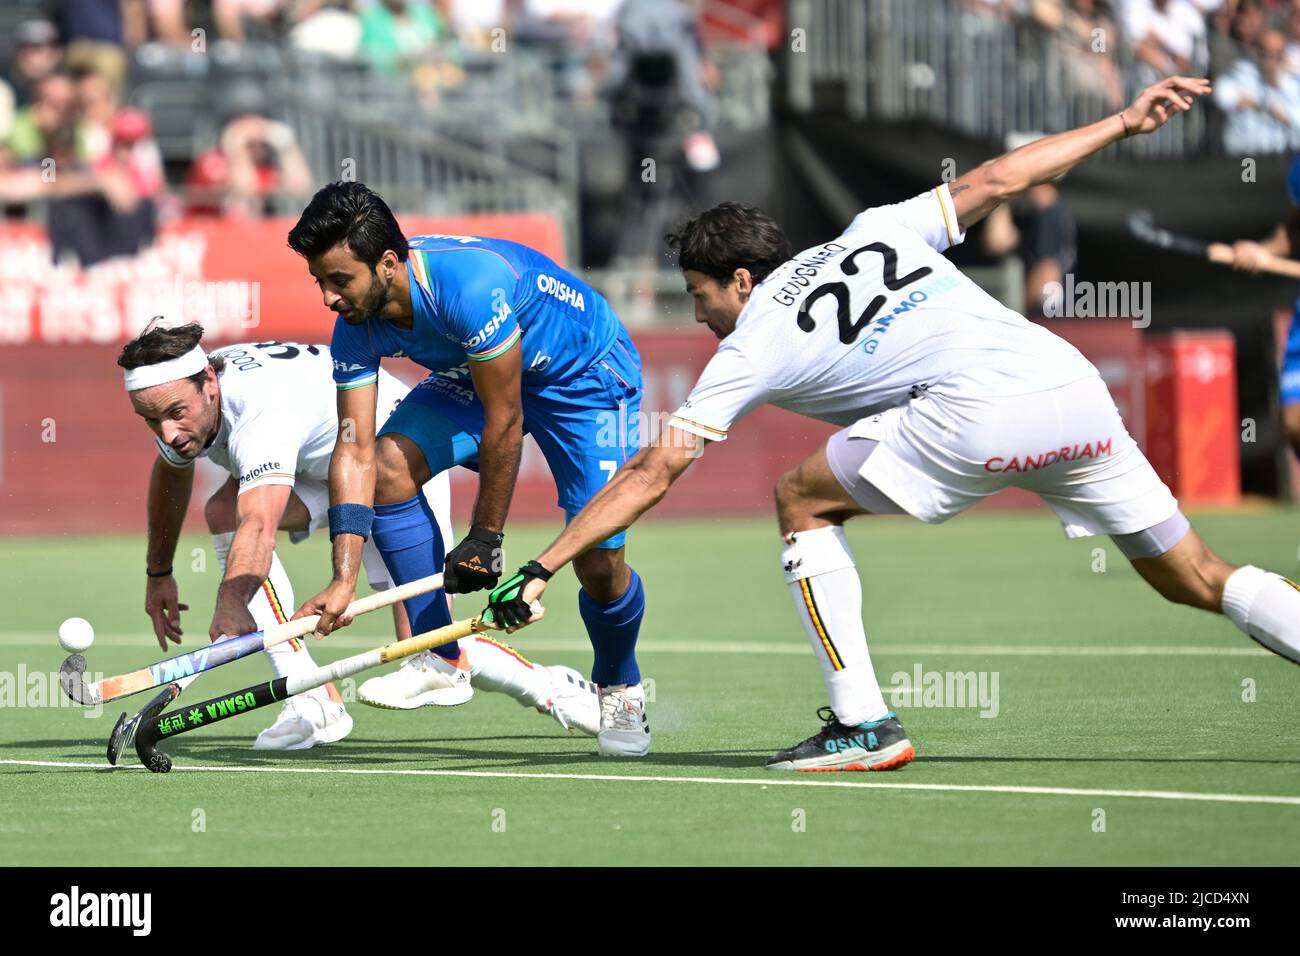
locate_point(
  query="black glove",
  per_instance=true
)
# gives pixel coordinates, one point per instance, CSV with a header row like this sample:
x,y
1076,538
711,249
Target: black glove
x,y
507,604
475,563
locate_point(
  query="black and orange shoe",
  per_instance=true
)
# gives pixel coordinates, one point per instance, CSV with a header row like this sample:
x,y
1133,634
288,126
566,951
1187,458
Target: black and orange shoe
x,y
876,745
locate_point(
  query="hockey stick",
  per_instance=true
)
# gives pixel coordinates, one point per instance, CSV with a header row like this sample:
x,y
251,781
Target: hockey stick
x,y
222,652
1142,225
124,730
155,726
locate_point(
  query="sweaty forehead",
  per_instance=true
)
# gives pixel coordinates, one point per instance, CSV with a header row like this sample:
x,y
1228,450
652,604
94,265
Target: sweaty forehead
x,y
158,398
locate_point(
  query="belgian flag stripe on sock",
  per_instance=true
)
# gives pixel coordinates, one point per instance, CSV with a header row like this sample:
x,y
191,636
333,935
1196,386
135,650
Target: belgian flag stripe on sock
x,y
274,600
810,603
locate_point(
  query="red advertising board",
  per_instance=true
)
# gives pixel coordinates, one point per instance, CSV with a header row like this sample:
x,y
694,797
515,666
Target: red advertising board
x,y
1195,442
237,277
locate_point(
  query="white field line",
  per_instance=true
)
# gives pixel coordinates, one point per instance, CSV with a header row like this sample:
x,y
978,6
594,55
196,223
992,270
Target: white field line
x,y
541,645
1276,800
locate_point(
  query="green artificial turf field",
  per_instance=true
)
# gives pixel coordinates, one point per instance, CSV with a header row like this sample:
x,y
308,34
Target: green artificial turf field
x,y
1119,732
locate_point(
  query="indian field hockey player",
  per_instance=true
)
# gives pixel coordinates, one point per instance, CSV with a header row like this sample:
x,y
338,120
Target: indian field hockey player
x,y
515,345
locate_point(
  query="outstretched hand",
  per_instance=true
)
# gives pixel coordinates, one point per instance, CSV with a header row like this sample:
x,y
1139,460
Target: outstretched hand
x,y
1157,103
514,604
331,604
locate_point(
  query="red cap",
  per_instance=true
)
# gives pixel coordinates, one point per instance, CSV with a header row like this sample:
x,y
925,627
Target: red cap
x,y
131,124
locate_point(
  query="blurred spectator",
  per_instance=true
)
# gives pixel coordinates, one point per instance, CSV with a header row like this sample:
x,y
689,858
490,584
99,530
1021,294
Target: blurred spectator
x,y
332,30
1086,38
36,55
1041,231
1261,101
97,103
1039,228
473,21
398,34
1237,33
105,220
116,138
169,24
579,37
231,16
1163,33
134,154
258,161
92,213
53,113
96,32
1293,39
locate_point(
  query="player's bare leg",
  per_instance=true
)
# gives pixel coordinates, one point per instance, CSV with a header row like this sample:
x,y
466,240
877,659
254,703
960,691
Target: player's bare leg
x,y
612,604
317,716
1263,605
860,732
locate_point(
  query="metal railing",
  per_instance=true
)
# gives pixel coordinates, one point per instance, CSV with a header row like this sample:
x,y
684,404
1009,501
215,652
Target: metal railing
x,y
935,61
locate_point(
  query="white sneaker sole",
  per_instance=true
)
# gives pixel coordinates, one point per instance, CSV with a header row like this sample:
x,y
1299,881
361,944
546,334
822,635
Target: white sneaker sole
x,y
618,744
330,733
439,697
887,758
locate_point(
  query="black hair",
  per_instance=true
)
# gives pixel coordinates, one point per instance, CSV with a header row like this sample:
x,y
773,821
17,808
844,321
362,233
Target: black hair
x,y
158,343
728,237
351,213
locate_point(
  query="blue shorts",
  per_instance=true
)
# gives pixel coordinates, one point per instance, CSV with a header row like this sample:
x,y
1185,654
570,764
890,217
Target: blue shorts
x,y
1291,362
586,428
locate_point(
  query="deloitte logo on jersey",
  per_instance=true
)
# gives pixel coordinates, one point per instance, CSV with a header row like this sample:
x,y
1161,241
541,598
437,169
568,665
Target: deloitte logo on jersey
x,y
565,293
255,473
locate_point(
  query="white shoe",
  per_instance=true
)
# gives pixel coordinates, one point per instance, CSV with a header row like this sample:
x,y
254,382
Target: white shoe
x,y
574,702
305,721
624,730
423,679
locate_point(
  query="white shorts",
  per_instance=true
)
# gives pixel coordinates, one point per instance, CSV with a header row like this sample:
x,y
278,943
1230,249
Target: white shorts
x,y
316,496
938,454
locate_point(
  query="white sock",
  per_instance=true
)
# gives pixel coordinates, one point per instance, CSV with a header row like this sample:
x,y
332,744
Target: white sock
x,y
496,666
1265,606
827,594
271,605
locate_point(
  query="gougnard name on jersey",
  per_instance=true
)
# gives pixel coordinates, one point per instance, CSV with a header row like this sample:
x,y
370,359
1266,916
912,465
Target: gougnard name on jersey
x,y
848,328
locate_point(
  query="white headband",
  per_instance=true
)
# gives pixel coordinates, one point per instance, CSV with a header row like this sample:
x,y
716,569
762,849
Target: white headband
x,y
147,376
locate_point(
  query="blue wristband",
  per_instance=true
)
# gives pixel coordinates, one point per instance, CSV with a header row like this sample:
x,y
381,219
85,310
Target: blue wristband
x,y
351,519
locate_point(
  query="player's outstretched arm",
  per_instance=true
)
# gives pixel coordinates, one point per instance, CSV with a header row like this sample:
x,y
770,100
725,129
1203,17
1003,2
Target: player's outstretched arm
x,y
635,488
980,191
257,518
169,497
352,485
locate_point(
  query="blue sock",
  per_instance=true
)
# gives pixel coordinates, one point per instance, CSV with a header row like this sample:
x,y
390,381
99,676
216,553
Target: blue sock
x,y
613,629
407,537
